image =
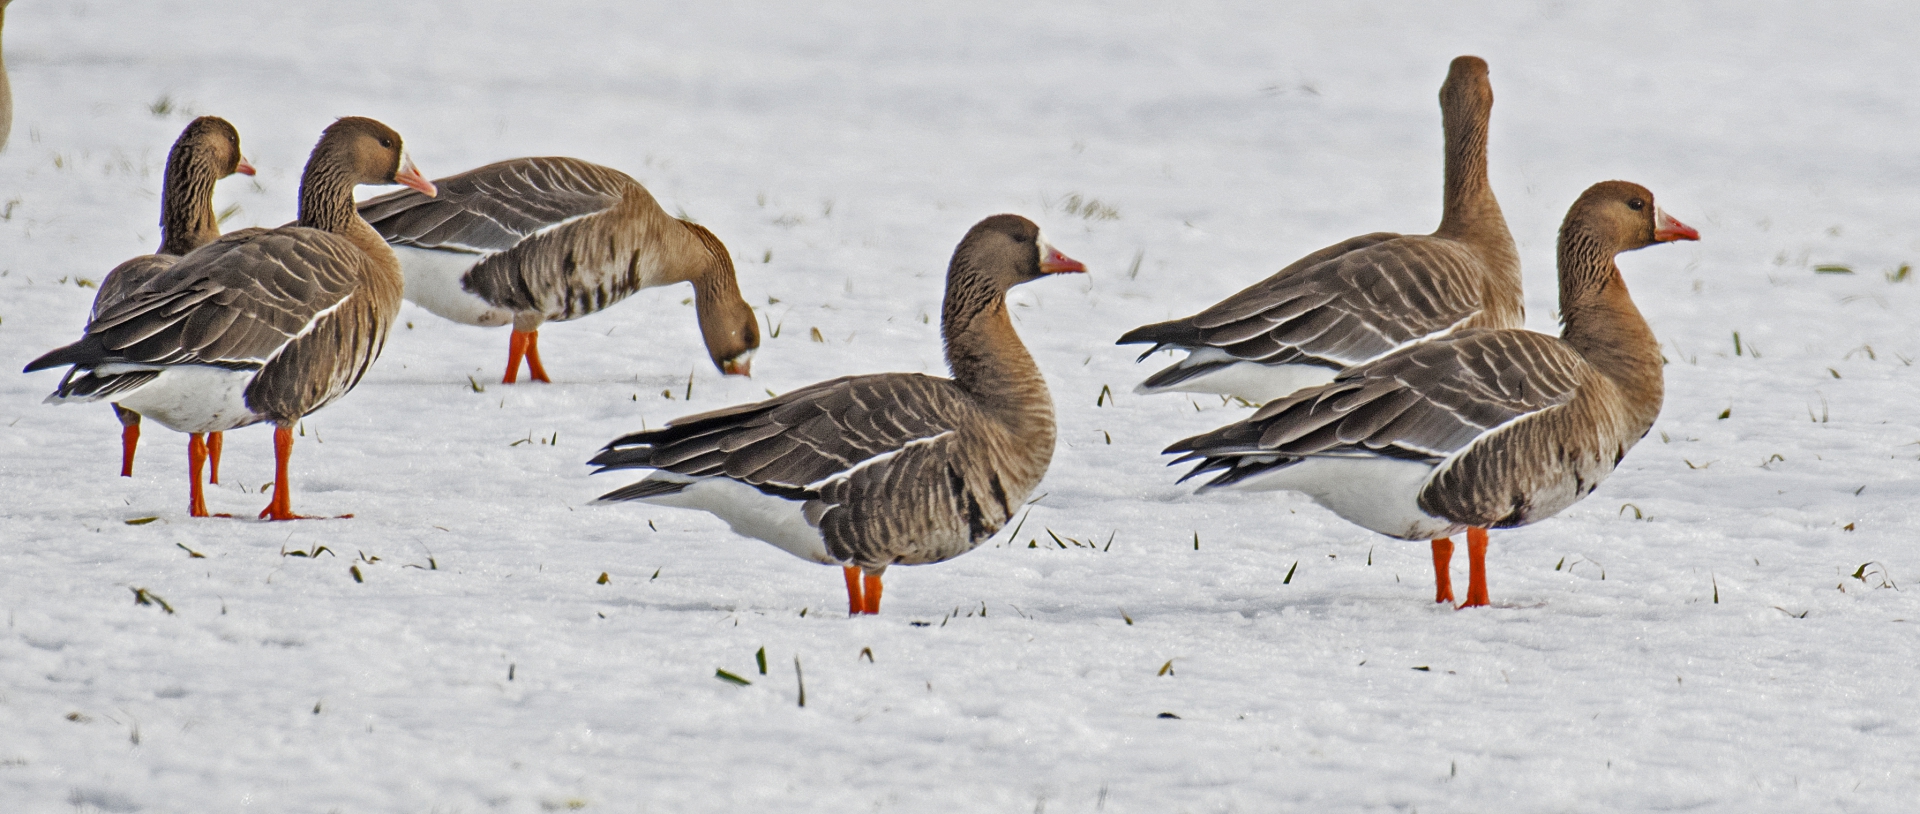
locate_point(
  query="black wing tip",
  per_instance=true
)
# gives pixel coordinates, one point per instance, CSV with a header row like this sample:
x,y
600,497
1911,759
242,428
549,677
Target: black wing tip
x,y
641,490
1178,332
74,354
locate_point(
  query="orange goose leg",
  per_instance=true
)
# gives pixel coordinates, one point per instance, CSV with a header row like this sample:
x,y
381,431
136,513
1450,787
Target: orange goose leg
x,y
1442,575
534,370
873,594
215,441
196,458
1477,568
129,438
516,350
282,506
855,602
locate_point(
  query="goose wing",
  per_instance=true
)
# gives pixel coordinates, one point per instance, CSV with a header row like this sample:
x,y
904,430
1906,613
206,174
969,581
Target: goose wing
x,y
1340,306
797,444
493,208
232,303
1427,402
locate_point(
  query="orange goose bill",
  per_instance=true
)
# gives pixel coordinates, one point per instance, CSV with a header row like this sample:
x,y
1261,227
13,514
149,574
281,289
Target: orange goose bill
x,y
260,325
1485,428
865,472
1364,297
536,240
207,150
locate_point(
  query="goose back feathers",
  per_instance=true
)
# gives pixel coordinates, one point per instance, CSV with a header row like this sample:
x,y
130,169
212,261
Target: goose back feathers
x,y
880,469
533,240
1363,297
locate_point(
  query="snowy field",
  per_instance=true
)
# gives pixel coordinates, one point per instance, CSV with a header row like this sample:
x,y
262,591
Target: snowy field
x,y
1699,635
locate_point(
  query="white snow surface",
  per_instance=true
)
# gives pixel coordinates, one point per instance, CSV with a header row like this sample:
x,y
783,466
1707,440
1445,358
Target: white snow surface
x,y
1690,637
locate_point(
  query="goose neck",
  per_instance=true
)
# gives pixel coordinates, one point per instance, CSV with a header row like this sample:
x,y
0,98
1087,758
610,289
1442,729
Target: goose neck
x,y
1598,317
987,358
187,221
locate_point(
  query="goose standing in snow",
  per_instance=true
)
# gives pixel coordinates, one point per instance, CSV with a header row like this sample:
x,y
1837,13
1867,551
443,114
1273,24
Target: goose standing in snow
x,y
1361,298
6,88
262,324
1485,428
868,471
533,240
207,151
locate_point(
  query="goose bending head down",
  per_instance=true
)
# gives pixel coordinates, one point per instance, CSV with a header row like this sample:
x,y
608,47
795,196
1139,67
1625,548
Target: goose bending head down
x,y
1365,296
869,471
262,324
1485,428
535,240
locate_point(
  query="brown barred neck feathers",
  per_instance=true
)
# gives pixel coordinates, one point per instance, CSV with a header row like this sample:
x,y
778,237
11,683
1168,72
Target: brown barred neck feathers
x,y
207,151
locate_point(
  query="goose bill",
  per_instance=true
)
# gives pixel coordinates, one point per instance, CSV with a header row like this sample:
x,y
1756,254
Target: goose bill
x,y
1052,261
741,365
244,168
1666,229
409,176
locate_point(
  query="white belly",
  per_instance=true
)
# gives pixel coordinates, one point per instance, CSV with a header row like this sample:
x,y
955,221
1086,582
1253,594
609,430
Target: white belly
x,y
433,283
1252,381
192,398
751,513
1381,494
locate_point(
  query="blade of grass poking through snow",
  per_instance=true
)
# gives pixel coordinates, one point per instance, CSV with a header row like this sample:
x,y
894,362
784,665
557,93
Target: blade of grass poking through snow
x,y
1289,579
760,658
603,579
1106,395
1166,669
1133,271
142,596
801,680
1716,587
1832,268
730,678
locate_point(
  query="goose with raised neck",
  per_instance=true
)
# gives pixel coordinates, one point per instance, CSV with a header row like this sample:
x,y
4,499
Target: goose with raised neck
x,y
1362,298
6,87
870,471
550,239
262,324
207,150
1484,428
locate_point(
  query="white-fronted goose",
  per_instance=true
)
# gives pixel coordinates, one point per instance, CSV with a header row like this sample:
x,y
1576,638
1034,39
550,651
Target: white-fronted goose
x,y
262,324
534,240
869,471
207,151
6,88
1486,428
1361,298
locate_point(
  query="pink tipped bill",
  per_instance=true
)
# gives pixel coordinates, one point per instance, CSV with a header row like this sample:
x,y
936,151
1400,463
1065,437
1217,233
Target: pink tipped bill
x,y
1665,228
1054,262
409,176
243,167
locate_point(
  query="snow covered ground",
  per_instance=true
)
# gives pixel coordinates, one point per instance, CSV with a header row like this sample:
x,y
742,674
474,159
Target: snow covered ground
x,y
1698,635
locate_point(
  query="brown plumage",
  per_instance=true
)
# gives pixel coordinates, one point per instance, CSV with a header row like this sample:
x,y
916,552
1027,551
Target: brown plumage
x,y
1366,296
207,150
262,324
1486,428
534,240
6,88
869,471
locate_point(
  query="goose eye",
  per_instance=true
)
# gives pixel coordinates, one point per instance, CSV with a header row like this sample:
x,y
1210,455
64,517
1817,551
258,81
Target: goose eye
x,y
1636,204
388,143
